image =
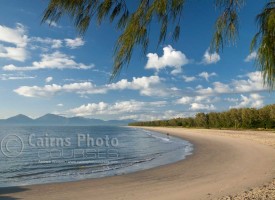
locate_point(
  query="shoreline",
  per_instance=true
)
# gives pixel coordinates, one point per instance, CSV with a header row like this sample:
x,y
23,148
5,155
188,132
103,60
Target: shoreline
x,y
219,165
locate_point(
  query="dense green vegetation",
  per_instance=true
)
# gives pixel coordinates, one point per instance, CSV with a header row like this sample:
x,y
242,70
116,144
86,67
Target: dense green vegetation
x,y
247,118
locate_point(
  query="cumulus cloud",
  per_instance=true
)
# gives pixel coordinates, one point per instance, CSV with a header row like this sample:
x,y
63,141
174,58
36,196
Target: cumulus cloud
x,y
206,75
202,107
253,83
53,43
14,42
121,107
18,40
253,100
89,109
252,56
14,36
184,100
218,88
14,53
35,91
198,103
171,58
147,86
50,90
209,58
221,88
175,89
74,43
188,78
56,60
48,79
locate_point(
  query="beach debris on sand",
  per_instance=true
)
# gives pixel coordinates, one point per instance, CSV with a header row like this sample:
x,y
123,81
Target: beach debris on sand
x,y
265,192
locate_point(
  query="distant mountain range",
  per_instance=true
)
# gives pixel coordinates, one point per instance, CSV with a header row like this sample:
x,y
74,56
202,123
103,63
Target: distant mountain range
x,y
56,120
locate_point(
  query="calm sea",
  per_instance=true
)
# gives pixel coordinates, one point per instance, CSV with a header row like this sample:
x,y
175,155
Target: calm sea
x,y
36,155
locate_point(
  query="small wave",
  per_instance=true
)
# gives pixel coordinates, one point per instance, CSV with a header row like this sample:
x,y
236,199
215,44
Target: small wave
x,y
165,139
138,150
86,169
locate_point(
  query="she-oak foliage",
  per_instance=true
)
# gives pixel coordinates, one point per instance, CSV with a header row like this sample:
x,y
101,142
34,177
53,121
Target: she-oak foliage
x,y
135,26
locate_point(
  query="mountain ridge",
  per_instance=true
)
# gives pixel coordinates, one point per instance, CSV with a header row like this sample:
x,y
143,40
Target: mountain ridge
x,y
57,120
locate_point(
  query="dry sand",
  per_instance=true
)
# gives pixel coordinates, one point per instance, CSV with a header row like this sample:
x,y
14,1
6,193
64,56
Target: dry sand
x,y
224,163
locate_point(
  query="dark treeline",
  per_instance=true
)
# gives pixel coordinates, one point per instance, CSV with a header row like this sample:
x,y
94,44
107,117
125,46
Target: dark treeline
x,y
247,118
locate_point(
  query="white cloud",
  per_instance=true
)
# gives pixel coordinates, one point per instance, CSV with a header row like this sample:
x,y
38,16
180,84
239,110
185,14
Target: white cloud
x,y
60,105
175,89
199,103
121,107
147,86
169,114
209,58
74,43
171,58
57,43
231,99
48,79
218,88
221,88
206,99
53,24
254,83
50,90
188,78
14,53
15,37
251,56
202,107
36,91
253,100
56,60
257,100
184,100
14,43
54,43
206,75
6,77
89,109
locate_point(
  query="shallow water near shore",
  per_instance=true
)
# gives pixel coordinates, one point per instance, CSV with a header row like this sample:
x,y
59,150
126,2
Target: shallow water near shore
x,y
37,155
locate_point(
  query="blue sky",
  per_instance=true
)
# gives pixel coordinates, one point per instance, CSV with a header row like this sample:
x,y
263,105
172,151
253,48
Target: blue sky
x,y
50,69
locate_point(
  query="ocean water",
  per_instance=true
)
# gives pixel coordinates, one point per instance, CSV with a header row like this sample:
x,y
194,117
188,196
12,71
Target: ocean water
x,y
36,155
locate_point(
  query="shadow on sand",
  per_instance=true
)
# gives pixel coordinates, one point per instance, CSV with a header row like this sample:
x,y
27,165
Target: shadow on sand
x,y
5,191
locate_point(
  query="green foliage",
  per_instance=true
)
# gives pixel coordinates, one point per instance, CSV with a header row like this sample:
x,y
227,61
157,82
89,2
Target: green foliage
x,y
135,26
246,118
226,26
202,120
265,41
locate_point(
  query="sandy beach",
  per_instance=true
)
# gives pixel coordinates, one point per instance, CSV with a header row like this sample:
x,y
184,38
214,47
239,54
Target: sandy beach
x,y
223,163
